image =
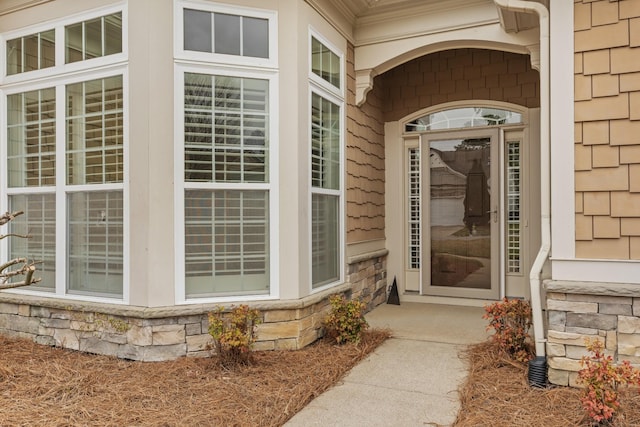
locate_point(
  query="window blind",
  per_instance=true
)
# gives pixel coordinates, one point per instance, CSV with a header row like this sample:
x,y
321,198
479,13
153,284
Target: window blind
x,y
226,128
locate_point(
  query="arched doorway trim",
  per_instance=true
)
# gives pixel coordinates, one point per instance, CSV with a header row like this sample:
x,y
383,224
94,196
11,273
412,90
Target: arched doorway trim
x,y
372,60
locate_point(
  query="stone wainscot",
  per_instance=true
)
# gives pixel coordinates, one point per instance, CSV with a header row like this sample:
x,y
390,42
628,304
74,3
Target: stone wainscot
x,y
165,333
577,311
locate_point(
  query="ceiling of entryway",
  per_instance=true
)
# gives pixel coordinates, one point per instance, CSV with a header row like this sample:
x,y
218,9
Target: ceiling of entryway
x,y
364,12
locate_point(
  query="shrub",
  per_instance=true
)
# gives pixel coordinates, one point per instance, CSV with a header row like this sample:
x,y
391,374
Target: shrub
x,y
511,320
602,378
233,334
346,322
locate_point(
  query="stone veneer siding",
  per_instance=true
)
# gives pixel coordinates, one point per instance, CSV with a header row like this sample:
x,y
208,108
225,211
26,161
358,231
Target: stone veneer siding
x,y
165,333
607,124
609,312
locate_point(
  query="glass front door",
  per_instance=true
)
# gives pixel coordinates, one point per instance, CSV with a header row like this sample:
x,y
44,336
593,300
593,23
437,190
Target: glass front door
x,y
460,246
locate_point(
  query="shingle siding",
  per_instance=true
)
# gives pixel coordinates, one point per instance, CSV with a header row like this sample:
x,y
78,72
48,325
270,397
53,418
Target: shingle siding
x,y
457,75
365,162
607,115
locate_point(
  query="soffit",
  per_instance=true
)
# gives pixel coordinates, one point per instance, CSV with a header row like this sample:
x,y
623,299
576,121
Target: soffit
x,y
363,15
362,12
513,22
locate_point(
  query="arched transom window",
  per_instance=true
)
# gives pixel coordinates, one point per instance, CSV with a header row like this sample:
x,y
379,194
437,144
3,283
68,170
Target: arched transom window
x,y
466,117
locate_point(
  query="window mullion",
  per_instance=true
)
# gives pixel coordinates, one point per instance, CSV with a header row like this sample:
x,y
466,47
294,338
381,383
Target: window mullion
x,y
39,55
213,33
23,55
60,185
103,35
83,41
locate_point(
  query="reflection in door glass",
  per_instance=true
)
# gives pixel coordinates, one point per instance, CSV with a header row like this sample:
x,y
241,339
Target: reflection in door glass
x,y
460,214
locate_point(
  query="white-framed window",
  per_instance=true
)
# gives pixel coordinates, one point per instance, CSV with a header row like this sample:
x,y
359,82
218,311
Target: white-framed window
x,y
325,63
326,123
57,48
30,52
226,153
225,34
63,154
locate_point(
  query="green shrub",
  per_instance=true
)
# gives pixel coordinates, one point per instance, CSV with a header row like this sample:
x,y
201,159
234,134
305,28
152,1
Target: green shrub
x,y
511,320
233,334
346,322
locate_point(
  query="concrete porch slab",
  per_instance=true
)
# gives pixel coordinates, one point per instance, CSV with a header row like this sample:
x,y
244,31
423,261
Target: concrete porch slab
x,y
412,379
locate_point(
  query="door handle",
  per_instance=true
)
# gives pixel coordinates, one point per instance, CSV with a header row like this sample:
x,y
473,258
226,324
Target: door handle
x,y
494,212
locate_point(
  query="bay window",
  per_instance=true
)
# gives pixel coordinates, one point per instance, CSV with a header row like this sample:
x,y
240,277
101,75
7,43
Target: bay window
x,y
94,157
326,164
226,162
64,161
225,201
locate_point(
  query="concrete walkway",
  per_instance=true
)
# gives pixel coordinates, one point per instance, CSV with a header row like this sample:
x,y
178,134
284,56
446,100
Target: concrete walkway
x,y
410,380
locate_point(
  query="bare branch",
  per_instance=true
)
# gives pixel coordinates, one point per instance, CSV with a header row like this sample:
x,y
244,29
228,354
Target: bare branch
x,y
27,269
22,236
11,263
6,217
12,285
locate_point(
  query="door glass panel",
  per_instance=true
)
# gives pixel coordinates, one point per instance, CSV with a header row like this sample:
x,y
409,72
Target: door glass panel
x,y
460,216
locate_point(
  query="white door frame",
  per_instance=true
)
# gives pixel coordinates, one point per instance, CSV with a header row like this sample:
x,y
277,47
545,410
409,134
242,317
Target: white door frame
x,y
495,214
398,142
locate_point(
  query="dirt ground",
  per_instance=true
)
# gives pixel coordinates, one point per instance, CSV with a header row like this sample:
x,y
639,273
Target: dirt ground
x,y
497,394
44,386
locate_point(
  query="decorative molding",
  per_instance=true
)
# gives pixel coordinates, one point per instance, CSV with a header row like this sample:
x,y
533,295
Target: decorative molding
x,y
404,34
534,55
364,83
372,11
15,6
396,11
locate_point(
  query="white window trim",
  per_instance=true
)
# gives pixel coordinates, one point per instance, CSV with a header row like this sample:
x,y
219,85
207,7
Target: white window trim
x,y
60,68
206,57
319,81
320,91
323,88
62,189
58,77
271,185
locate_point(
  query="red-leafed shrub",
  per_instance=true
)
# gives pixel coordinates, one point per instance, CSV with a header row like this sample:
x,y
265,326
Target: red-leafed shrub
x,y
511,320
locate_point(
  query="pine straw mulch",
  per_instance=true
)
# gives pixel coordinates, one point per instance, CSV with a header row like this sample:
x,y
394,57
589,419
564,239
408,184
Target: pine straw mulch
x,y
497,393
44,386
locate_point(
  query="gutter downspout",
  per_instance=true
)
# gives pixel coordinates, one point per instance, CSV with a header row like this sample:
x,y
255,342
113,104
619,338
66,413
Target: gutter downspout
x,y
545,169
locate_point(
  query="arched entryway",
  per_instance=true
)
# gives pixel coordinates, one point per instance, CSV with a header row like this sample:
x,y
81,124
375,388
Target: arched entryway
x,y
436,58
461,174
